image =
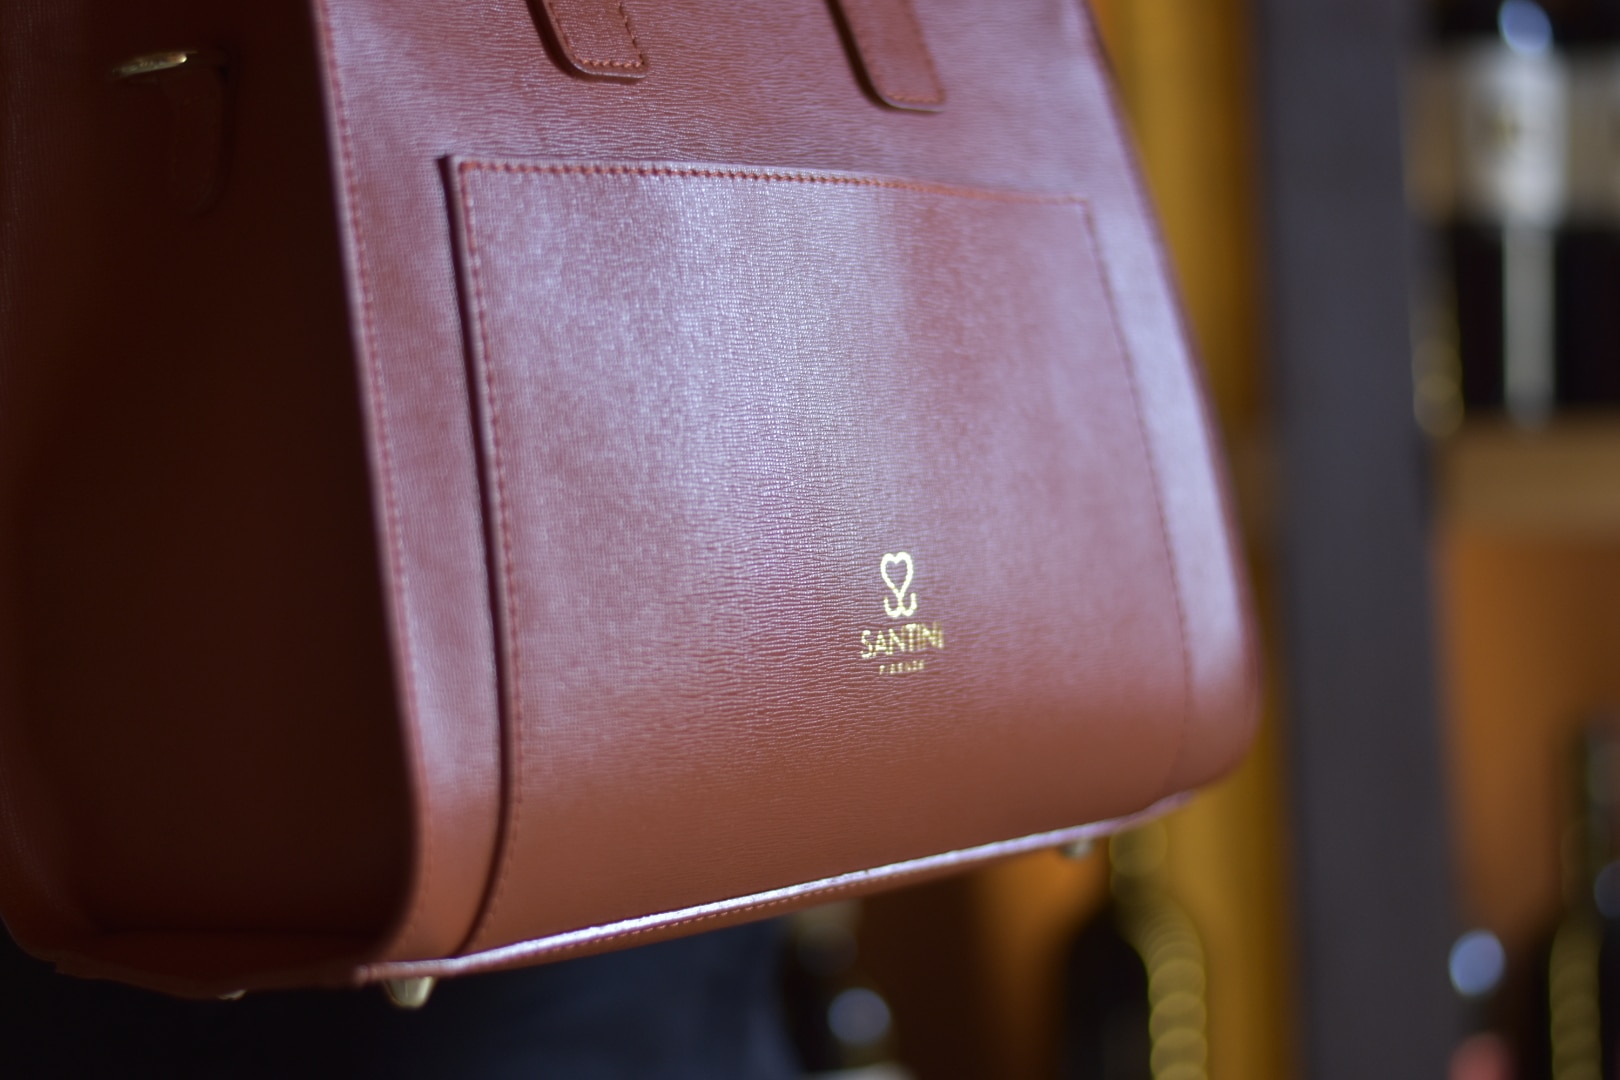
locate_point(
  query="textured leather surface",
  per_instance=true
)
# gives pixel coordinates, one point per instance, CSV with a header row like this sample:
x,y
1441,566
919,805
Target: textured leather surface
x,y
889,46
644,446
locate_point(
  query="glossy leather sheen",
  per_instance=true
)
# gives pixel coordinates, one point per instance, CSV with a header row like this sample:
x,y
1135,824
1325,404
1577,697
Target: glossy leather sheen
x,y
773,493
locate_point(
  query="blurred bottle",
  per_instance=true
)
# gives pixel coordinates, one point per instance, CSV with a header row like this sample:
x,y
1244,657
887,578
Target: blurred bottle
x,y
1490,150
1588,268
841,1024
1135,1000
1574,1022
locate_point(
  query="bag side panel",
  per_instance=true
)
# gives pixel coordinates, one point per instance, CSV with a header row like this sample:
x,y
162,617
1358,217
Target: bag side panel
x,y
423,463
198,716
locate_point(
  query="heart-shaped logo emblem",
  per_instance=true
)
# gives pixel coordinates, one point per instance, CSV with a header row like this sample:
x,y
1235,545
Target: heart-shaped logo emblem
x,y
900,607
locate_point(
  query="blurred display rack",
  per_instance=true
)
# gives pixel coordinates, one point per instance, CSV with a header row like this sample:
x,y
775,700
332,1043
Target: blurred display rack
x,y
1527,541
1562,480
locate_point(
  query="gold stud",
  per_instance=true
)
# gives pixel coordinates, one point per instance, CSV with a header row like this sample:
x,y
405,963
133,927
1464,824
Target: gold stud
x,y
159,62
1078,849
408,993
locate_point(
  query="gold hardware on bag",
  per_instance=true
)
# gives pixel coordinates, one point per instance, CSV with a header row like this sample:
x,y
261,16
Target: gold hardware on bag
x,y
409,993
158,62
193,81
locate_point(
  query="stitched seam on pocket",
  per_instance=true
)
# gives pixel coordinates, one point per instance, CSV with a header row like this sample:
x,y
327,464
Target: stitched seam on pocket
x,y
763,175
514,681
377,402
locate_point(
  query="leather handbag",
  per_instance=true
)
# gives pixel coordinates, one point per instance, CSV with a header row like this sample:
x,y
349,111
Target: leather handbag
x,y
484,481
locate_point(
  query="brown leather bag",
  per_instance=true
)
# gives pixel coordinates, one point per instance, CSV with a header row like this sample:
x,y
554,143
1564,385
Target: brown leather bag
x,y
486,482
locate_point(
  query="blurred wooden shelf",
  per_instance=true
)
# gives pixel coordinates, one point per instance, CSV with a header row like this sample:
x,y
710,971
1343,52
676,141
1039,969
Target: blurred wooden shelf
x,y
1563,480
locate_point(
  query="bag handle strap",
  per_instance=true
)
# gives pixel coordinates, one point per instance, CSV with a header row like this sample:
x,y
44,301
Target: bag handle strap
x,y
596,37
886,42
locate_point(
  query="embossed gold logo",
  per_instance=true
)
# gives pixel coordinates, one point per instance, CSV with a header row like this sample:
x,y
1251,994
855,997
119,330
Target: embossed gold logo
x,y
901,649
899,607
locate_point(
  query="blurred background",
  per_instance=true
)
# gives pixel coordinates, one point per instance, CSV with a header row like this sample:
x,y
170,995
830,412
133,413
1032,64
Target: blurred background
x,y
1396,225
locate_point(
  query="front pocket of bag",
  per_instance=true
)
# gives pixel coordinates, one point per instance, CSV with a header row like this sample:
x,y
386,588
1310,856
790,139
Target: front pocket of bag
x,y
823,533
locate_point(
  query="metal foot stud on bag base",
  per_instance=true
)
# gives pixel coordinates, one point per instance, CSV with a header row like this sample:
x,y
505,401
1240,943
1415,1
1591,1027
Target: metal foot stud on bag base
x,y
408,993
404,993
1078,849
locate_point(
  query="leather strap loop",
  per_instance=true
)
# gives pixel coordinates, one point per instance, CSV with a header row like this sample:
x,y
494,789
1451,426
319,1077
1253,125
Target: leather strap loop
x,y
596,37
888,44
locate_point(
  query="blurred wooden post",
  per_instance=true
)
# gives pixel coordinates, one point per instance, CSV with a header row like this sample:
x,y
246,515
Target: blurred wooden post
x,y
1373,853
